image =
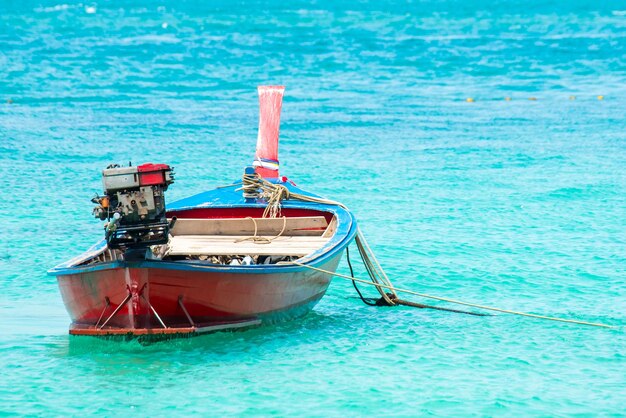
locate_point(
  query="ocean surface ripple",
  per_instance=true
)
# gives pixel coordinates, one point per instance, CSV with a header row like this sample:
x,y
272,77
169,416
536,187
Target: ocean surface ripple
x,y
515,203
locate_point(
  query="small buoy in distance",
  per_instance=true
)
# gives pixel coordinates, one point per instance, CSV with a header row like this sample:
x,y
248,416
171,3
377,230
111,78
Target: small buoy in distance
x,y
469,100
532,98
600,97
507,98
572,97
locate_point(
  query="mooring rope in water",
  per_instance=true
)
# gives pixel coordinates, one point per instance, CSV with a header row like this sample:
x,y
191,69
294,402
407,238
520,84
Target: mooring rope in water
x,y
377,275
397,301
367,301
374,269
455,301
274,193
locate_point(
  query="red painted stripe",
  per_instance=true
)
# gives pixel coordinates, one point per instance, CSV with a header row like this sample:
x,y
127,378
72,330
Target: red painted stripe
x,y
218,213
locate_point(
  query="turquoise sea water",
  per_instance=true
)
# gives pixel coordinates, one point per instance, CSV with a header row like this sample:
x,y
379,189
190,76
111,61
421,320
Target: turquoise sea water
x,y
518,204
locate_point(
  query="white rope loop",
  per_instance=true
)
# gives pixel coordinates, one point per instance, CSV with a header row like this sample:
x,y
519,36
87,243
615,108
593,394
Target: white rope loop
x,y
262,240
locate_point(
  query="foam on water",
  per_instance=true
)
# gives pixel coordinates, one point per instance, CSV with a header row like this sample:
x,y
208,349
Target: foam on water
x,y
518,204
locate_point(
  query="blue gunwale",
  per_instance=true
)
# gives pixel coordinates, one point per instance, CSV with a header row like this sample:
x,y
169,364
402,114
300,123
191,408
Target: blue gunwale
x,y
230,197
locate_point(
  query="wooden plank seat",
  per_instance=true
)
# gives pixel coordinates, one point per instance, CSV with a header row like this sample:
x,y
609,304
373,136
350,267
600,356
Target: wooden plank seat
x,y
227,236
234,245
295,226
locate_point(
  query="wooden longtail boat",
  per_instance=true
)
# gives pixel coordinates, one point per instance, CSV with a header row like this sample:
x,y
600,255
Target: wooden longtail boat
x,y
217,262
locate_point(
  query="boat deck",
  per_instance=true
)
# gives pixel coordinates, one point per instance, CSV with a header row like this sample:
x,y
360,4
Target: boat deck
x,y
296,236
234,245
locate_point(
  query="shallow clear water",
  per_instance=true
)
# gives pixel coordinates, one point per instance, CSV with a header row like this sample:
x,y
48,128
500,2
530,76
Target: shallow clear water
x,y
518,204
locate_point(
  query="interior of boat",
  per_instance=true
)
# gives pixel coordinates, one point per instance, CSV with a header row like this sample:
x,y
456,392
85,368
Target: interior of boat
x,y
236,241
249,240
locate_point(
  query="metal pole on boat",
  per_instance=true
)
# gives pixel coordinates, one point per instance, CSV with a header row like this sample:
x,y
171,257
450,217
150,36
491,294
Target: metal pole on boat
x,y
270,104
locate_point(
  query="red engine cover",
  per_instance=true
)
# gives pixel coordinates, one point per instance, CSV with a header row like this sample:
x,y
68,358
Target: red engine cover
x,y
152,167
152,174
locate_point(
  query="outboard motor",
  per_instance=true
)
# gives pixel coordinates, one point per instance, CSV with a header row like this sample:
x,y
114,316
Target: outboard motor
x,y
134,205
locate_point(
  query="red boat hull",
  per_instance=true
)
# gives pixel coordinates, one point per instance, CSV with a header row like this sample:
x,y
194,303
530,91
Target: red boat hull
x,y
142,301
